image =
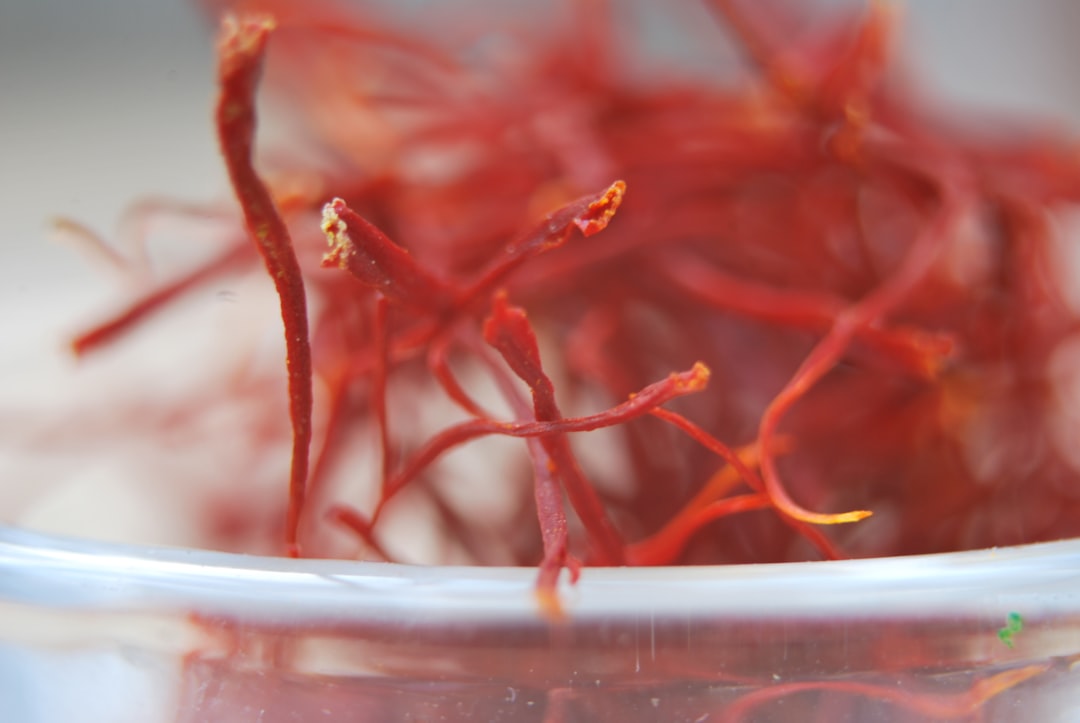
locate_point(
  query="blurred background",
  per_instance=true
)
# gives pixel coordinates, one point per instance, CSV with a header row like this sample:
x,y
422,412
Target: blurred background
x,y
101,102
106,101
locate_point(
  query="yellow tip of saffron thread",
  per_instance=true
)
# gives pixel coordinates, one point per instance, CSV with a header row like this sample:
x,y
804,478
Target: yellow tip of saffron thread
x,y
699,376
839,518
336,235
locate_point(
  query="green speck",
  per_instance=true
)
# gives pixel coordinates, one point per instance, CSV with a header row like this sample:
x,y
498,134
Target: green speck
x,y
1013,624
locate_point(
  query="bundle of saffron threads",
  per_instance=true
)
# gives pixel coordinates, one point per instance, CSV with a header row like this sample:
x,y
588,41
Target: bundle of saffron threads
x,y
668,320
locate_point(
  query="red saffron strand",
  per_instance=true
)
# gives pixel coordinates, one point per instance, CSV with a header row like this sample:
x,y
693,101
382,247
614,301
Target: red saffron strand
x,y
589,214
380,379
509,332
744,471
548,498
639,404
439,363
554,531
378,262
663,547
362,527
832,346
157,298
241,49
922,353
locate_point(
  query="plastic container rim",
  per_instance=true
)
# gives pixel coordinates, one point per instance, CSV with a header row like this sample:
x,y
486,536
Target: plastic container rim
x,y
62,572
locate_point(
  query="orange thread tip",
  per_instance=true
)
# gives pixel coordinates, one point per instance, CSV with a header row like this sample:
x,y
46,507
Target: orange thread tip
x,y
550,606
841,518
596,217
699,375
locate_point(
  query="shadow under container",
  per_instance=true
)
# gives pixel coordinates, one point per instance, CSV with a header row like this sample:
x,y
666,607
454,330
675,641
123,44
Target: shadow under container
x,y
94,631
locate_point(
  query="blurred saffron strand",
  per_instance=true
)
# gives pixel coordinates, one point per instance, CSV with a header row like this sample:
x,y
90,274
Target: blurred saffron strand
x,y
708,324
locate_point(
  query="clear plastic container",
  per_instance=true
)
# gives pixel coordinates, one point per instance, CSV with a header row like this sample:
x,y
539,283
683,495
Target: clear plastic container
x,y
102,632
